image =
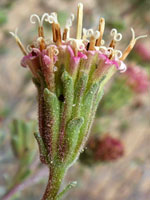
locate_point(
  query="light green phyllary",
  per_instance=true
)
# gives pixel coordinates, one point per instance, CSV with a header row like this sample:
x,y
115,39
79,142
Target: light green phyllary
x,y
69,74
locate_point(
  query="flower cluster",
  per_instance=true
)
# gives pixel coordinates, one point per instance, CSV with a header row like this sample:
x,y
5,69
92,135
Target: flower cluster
x,y
142,51
101,150
47,55
137,78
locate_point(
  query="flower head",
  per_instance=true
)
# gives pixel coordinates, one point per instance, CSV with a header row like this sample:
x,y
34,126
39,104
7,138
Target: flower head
x,y
142,51
84,51
137,78
103,149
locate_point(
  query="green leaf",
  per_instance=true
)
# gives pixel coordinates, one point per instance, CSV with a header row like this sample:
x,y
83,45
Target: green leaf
x,y
79,91
53,112
66,109
68,92
72,133
87,108
66,189
42,149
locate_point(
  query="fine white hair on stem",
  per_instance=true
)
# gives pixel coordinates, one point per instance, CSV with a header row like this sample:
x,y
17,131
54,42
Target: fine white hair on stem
x,y
40,21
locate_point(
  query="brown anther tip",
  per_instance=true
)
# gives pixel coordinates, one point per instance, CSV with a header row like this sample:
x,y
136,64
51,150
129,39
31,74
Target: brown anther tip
x,y
65,34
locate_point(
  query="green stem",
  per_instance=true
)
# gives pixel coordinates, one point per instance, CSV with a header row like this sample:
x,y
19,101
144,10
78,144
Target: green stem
x,y
56,176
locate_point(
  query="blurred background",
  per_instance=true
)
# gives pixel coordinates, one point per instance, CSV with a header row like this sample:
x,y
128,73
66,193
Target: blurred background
x,y
116,162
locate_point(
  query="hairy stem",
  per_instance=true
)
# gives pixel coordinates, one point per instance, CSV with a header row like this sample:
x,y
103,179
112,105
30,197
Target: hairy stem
x,y
56,176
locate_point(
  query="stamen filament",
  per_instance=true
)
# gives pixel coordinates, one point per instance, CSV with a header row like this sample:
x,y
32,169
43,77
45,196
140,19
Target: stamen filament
x,y
54,32
21,46
92,43
65,33
112,44
79,21
42,43
101,30
40,22
131,44
58,34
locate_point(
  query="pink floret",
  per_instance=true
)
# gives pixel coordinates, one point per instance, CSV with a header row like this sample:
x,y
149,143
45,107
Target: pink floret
x,y
46,60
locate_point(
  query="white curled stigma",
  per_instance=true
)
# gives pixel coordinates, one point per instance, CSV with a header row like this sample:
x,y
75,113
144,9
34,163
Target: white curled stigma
x,y
15,34
48,41
29,48
118,54
138,37
84,33
39,40
52,18
54,49
40,21
69,21
102,42
110,51
90,32
69,24
21,46
131,44
77,43
116,36
103,49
